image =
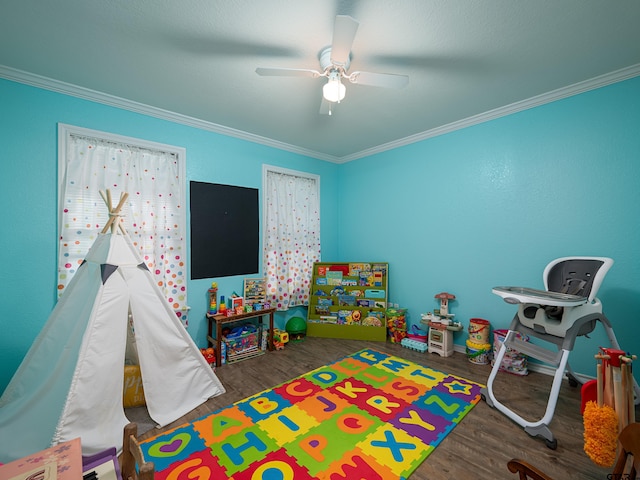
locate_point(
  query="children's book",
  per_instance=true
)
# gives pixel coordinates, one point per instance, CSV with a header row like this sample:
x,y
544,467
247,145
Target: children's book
x,y
334,278
376,314
346,300
379,267
366,279
344,269
344,317
62,462
356,268
337,290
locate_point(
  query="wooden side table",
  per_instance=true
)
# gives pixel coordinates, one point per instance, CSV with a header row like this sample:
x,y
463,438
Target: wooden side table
x,y
220,319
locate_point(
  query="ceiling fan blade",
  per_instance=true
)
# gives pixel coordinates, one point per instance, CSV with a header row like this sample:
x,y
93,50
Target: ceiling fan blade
x,y
344,32
287,72
385,80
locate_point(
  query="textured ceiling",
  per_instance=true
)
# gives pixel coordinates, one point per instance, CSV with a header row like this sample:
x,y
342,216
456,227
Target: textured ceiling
x,y
197,58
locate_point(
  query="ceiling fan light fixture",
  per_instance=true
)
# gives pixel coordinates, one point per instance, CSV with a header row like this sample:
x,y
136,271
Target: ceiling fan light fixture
x,y
334,90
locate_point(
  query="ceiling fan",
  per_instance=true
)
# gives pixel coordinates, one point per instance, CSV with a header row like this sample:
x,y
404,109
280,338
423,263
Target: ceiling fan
x,y
334,65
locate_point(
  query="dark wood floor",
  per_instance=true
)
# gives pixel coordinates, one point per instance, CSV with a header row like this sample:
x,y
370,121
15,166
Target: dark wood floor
x,y
478,448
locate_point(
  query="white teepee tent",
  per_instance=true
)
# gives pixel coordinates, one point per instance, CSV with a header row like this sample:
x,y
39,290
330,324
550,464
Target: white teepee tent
x,y
70,383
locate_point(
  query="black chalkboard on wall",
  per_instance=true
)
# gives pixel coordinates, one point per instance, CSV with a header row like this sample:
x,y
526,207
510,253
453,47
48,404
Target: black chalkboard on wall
x,y
224,230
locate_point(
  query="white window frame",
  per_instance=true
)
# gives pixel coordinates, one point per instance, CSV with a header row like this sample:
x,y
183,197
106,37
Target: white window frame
x,y
65,132
285,171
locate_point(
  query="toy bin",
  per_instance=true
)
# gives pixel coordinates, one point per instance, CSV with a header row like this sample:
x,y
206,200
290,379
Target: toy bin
x,y
478,353
243,342
396,324
479,330
512,362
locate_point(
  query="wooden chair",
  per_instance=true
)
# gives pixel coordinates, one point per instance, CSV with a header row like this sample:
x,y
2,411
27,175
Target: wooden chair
x,y
133,465
627,465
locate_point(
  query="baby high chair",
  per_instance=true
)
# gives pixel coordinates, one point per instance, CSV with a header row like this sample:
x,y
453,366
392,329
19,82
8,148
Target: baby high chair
x,y
566,309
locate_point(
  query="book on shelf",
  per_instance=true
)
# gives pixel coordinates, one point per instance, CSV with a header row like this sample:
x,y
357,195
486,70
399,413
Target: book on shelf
x,y
364,302
322,310
366,279
356,268
379,267
334,277
346,300
340,268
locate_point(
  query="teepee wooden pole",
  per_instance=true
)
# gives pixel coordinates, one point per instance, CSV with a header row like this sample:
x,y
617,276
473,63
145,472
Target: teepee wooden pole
x,y
107,202
123,199
115,219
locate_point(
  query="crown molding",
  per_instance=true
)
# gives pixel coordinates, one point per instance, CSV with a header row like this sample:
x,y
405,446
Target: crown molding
x,y
46,83
549,97
53,85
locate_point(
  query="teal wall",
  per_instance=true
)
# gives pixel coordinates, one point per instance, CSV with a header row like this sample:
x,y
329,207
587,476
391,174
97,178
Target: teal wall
x,y
492,204
28,191
463,212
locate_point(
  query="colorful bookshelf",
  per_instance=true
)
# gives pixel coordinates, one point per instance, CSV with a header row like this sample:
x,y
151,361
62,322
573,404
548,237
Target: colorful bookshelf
x,y
348,300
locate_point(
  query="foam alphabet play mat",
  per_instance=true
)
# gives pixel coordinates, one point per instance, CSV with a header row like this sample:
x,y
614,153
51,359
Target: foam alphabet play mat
x,y
369,413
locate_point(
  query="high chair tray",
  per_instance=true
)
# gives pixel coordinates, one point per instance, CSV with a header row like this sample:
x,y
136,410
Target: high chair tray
x,y
517,295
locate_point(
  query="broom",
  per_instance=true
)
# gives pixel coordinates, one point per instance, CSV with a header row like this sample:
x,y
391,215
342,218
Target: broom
x,y
600,426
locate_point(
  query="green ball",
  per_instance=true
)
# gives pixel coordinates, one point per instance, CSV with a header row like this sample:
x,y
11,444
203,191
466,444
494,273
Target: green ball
x,y
296,325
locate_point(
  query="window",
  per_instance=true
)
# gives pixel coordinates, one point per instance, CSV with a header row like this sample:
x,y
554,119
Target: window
x,y
291,211
153,174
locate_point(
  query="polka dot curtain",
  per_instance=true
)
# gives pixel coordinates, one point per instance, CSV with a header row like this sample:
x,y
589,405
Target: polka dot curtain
x,y
153,214
292,236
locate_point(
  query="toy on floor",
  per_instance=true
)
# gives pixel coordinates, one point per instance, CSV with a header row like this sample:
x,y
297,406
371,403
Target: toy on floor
x,y
414,345
600,423
280,337
478,348
396,324
442,315
209,355
296,327
441,326
417,334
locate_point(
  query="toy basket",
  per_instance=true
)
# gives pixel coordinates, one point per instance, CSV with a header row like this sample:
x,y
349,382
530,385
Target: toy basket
x,y
512,362
396,324
243,342
478,353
